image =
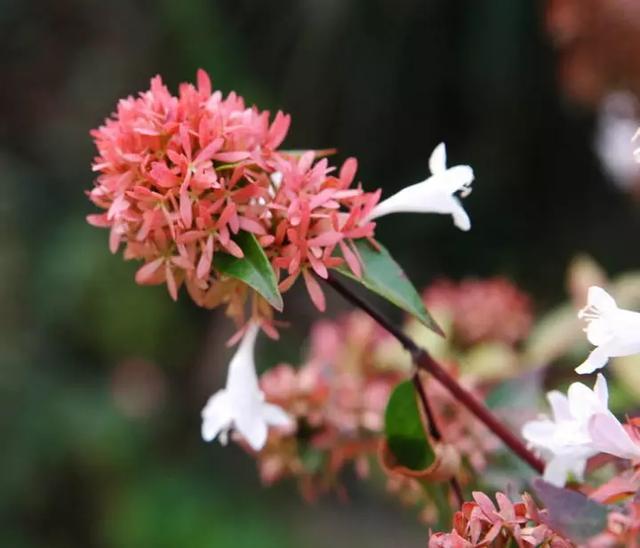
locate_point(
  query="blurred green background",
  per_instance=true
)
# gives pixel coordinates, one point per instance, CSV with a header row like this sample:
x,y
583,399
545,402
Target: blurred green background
x,y
102,381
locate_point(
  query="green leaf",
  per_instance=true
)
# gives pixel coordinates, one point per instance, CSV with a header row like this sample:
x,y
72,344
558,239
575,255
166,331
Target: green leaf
x,y
382,275
253,269
571,513
404,429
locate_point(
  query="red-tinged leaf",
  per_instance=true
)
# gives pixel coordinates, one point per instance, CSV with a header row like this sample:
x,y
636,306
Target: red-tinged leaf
x,y
571,513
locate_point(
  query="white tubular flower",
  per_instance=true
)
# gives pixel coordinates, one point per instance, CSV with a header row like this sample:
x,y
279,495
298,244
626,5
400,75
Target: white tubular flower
x,y
240,405
563,441
581,427
435,194
614,331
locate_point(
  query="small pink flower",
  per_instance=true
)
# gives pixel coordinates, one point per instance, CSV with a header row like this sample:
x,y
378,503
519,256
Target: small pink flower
x,y
482,310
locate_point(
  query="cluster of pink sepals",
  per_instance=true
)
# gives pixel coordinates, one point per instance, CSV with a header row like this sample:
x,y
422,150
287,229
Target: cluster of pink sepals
x,y
480,523
179,176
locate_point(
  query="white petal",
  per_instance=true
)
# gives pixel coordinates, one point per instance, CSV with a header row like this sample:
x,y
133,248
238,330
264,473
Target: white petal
x,y
601,390
410,199
559,466
438,160
460,217
559,406
625,326
597,359
539,433
276,178
458,177
609,436
578,464
253,428
242,378
600,299
275,415
599,332
583,402
216,415
556,470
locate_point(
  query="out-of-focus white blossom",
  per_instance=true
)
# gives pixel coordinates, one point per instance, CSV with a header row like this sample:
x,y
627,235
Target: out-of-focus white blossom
x,y
614,331
581,426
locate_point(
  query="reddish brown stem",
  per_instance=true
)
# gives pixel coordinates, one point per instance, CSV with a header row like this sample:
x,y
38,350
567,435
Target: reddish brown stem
x,y
424,361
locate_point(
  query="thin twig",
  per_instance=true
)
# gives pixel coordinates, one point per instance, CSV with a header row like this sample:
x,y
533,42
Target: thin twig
x,y
424,361
456,489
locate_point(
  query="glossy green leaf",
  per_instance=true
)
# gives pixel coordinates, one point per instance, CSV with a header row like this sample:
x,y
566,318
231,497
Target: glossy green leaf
x,y
571,513
253,269
404,430
382,275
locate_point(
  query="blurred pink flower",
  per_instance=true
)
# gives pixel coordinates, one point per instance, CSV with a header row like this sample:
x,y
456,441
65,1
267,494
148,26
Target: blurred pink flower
x,y
482,310
339,396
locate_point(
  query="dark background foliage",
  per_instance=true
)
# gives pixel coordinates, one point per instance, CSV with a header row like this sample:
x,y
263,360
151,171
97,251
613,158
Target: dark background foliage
x,y
101,381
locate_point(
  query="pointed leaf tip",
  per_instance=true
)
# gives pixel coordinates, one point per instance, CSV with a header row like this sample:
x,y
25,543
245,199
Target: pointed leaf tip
x,y
382,275
253,269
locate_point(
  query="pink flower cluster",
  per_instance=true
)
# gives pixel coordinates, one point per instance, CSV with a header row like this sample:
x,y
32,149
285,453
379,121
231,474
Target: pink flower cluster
x,y
338,398
481,523
179,176
482,310
460,428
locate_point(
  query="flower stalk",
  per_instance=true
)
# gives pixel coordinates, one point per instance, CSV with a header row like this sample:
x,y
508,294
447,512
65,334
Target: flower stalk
x,y
422,360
